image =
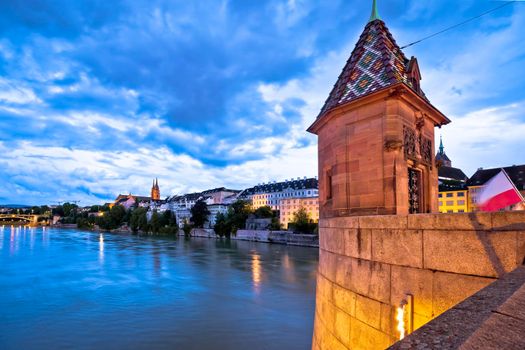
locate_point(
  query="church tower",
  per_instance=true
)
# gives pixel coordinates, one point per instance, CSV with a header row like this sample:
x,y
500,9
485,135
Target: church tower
x,y
441,156
155,190
376,133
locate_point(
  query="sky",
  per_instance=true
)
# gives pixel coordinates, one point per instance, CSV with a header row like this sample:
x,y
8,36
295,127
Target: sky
x,y
99,97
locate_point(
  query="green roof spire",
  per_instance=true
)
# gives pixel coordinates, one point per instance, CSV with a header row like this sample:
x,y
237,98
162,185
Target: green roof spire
x,y
375,13
441,148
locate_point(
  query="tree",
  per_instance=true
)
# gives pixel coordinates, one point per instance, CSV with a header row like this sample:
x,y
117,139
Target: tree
x,y
301,221
118,213
186,228
237,214
264,212
154,222
138,220
199,214
222,226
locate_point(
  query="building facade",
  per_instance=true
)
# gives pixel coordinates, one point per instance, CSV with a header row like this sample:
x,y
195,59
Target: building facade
x,y
453,191
271,194
217,199
289,206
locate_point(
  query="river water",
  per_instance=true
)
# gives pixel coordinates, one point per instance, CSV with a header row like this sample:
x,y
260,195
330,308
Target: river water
x,y
70,289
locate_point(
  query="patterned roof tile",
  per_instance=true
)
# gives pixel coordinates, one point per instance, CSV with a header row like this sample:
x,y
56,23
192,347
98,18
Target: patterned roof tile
x,y
375,63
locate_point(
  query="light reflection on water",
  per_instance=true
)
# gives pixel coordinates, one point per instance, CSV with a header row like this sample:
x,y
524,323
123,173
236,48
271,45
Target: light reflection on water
x,y
63,289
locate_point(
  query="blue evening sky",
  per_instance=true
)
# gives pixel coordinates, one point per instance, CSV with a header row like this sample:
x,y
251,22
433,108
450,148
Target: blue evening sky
x,y
99,97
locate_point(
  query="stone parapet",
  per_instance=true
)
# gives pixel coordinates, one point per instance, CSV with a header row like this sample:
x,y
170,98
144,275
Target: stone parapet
x,y
369,265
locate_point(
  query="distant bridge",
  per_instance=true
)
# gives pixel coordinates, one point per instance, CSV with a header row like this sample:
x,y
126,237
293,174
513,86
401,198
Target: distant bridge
x,y
23,219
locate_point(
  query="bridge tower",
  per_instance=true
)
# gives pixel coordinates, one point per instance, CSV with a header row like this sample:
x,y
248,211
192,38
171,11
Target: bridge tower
x,y
376,133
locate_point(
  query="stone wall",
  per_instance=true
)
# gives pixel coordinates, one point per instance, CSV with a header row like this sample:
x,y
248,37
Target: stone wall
x,y
279,237
368,265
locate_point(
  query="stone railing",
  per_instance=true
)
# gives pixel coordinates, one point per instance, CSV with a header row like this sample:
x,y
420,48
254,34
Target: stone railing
x,y
369,266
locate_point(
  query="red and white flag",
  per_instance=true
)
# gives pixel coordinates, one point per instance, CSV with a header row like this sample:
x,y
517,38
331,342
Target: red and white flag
x,y
498,193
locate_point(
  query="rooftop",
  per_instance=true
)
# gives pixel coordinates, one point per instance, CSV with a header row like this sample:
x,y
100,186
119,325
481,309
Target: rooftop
x,y
515,172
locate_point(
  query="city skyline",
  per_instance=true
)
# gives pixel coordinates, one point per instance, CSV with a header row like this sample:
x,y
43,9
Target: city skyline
x,y
99,98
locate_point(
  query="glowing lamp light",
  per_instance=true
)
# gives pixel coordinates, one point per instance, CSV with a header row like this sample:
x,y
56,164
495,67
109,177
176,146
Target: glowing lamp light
x,y
400,318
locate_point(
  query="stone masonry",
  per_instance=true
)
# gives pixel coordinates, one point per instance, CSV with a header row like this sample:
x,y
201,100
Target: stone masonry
x,y
368,265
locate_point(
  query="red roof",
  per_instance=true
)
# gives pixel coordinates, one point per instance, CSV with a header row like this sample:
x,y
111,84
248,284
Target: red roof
x,y
375,63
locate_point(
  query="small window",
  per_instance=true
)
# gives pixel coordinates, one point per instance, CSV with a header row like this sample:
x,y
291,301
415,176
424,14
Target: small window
x,y
329,185
440,195
450,203
440,204
449,195
461,211
461,202
461,194
450,211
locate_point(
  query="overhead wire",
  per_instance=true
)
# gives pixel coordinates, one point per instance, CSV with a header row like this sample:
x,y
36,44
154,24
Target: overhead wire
x,y
459,24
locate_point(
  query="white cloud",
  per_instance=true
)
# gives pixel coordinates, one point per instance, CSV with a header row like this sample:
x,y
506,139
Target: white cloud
x,y
15,92
490,137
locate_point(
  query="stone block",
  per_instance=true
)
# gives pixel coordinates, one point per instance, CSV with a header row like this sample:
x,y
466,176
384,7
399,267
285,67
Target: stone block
x,y
358,243
368,311
324,288
332,240
480,253
386,221
387,319
515,305
344,299
368,278
342,327
325,339
326,312
420,321
520,253
327,264
457,221
448,289
416,282
498,332
398,247
343,269
508,221
362,336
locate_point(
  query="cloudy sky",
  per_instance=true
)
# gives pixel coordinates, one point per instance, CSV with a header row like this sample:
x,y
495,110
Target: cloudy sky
x,y
98,97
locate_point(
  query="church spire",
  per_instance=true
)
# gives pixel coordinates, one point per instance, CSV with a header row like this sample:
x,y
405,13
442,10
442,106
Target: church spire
x,y
441,148
375,13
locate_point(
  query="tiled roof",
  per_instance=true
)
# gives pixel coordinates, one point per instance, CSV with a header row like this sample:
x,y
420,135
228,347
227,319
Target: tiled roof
x,y
448,172
442,157
515,172
310,183
375,63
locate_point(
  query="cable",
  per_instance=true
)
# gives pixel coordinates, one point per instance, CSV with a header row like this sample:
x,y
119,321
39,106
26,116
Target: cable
x,y
459,24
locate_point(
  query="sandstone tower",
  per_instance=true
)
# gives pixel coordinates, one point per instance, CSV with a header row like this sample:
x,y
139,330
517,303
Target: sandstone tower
x,y
155,190
376,133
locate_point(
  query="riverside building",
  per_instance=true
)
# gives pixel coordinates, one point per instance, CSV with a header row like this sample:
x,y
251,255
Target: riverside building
x,y
289,206
453,191
271,194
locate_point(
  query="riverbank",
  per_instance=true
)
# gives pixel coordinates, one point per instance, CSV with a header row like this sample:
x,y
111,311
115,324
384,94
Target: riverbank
x,y
264,236
261,236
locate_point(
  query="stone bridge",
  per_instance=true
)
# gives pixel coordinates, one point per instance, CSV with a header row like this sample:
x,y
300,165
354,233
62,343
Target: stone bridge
x,y
22,219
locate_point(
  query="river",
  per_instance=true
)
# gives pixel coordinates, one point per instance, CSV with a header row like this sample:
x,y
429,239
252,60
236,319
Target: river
x,y
71,289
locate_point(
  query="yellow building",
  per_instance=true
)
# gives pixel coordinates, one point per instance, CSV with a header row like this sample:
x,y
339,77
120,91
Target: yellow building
x,y
289,206
455,201
453,192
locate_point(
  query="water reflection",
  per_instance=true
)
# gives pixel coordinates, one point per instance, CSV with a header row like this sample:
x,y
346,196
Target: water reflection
x,y
153,292
256,272
101,248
